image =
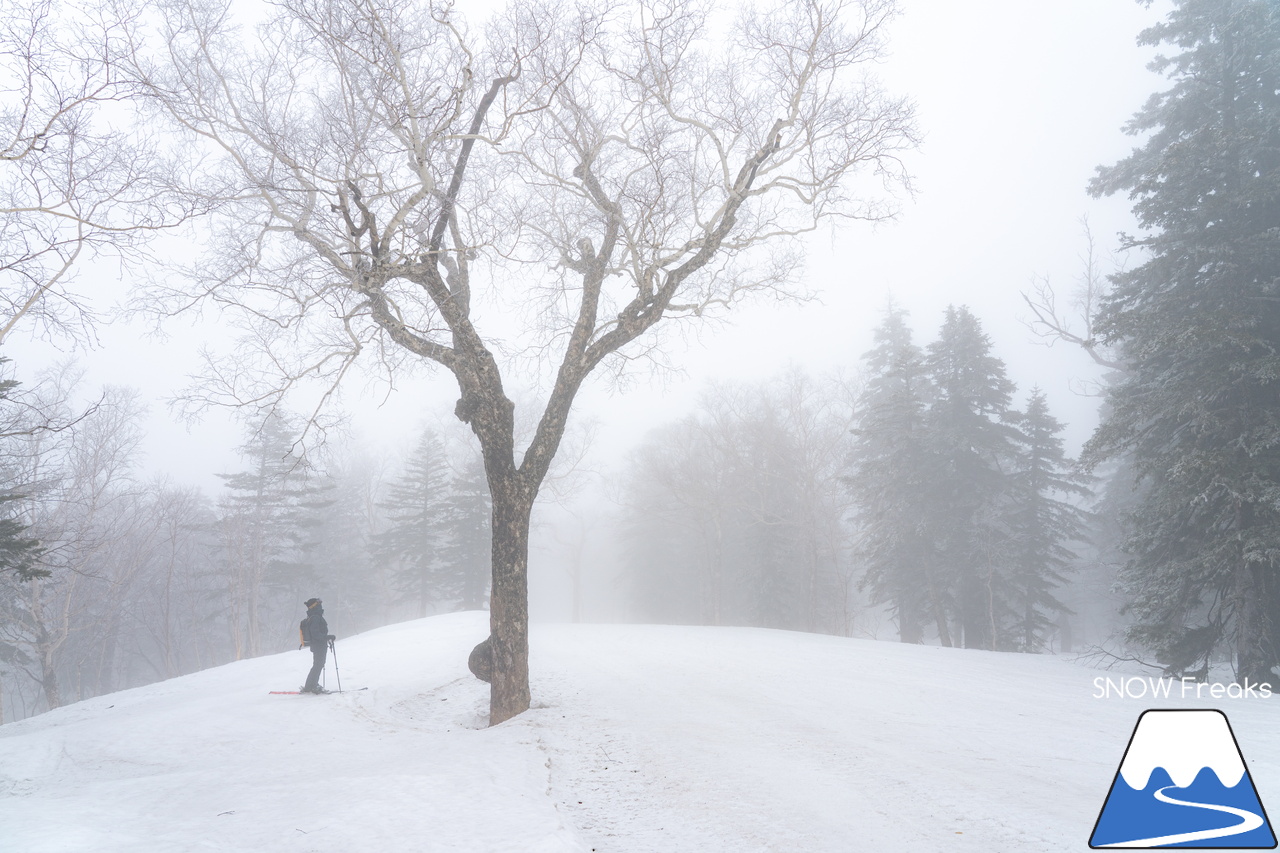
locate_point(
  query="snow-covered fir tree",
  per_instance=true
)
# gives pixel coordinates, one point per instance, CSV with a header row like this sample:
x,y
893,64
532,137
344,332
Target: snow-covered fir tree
x,y
1198,322
970,445
1042,523
888,480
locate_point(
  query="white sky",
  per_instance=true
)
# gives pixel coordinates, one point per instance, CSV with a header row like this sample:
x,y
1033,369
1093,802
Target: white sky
x,y
1018,102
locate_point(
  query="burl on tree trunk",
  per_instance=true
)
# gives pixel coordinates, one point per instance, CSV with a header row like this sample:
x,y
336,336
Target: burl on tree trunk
x,y
481,660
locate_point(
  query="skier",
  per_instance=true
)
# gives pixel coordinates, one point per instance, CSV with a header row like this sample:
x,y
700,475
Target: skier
x,y
315,633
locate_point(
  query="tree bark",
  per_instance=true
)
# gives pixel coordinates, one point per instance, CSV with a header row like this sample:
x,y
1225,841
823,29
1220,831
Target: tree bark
x,y
1256,653
939,614
509,603
49,677
910,621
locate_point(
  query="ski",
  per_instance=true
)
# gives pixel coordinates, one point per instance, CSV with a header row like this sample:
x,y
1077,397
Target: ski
x,y
300,693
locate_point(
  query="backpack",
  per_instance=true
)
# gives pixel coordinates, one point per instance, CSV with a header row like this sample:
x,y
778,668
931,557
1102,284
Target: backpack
x,y
303,639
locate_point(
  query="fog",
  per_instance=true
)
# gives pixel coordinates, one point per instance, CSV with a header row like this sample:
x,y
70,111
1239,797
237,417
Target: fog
x,y
1016,104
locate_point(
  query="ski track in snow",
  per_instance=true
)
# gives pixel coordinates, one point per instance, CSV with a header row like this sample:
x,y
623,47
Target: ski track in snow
x,y
641,739
1248,822
722,767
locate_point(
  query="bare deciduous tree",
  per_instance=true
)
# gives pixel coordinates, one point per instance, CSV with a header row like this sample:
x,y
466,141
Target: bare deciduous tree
x,y
77,177
80,497
1075,322
557,189
736,514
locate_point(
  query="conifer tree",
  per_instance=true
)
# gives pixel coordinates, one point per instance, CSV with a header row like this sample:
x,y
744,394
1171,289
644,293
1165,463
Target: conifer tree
x,y
889,479
418,535
264,528
970,448
1198,323
1042,522
467,550
19,552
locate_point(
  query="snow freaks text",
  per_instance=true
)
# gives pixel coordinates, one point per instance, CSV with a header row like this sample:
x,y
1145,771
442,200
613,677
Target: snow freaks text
x,y
1140,687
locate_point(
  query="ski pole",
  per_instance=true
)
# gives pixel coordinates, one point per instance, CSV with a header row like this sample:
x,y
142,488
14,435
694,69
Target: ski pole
x,y
336,671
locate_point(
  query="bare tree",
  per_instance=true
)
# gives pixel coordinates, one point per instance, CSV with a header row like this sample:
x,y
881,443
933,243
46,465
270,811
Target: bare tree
x,y
553,191
81,499
1074,323
174,598
77,177
736,514
675,523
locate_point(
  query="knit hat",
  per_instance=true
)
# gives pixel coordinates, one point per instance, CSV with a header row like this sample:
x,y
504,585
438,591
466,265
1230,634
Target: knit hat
x,y
311,602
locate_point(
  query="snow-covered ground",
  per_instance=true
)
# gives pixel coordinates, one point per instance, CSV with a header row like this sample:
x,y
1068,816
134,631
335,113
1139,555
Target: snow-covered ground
x,y
642,738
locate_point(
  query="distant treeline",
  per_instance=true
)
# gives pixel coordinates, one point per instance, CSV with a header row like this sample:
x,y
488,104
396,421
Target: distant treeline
x,y
796,503
115,581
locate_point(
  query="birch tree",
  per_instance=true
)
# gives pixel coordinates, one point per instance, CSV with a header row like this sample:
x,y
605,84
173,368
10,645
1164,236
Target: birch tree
x,y
79,492
547,193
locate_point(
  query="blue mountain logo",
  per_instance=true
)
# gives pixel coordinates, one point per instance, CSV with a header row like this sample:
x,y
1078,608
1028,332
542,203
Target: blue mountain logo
x,y
1183,783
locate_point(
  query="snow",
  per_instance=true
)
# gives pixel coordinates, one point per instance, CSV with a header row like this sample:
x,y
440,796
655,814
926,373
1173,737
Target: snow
x,y
1183,744
642,738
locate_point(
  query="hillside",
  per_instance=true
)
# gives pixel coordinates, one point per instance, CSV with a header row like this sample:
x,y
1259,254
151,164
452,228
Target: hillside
x,y
642,738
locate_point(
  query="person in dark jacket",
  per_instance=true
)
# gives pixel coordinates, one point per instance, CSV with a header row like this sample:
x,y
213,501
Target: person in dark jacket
x,y
315,633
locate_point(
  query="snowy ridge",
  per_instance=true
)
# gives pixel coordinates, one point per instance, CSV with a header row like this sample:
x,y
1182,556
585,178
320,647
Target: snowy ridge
x,y
1183,743
642,739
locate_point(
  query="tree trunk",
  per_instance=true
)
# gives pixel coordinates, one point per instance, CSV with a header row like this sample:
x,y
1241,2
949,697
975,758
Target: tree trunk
x,y
910,629
1255,650
939,613
509,603
424,588
105,676
1065,637
49,677
973,611
717,572
1029,635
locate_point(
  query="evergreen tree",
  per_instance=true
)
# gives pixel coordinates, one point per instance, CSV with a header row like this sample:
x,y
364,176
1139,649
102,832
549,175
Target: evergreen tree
x,y
19,552
420,526
970,448
889,480
1041,522
467,550
340,548
266,524
1199,326
1095,594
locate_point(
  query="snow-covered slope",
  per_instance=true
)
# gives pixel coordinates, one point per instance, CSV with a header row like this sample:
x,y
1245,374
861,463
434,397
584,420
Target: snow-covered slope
x,y
642,738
